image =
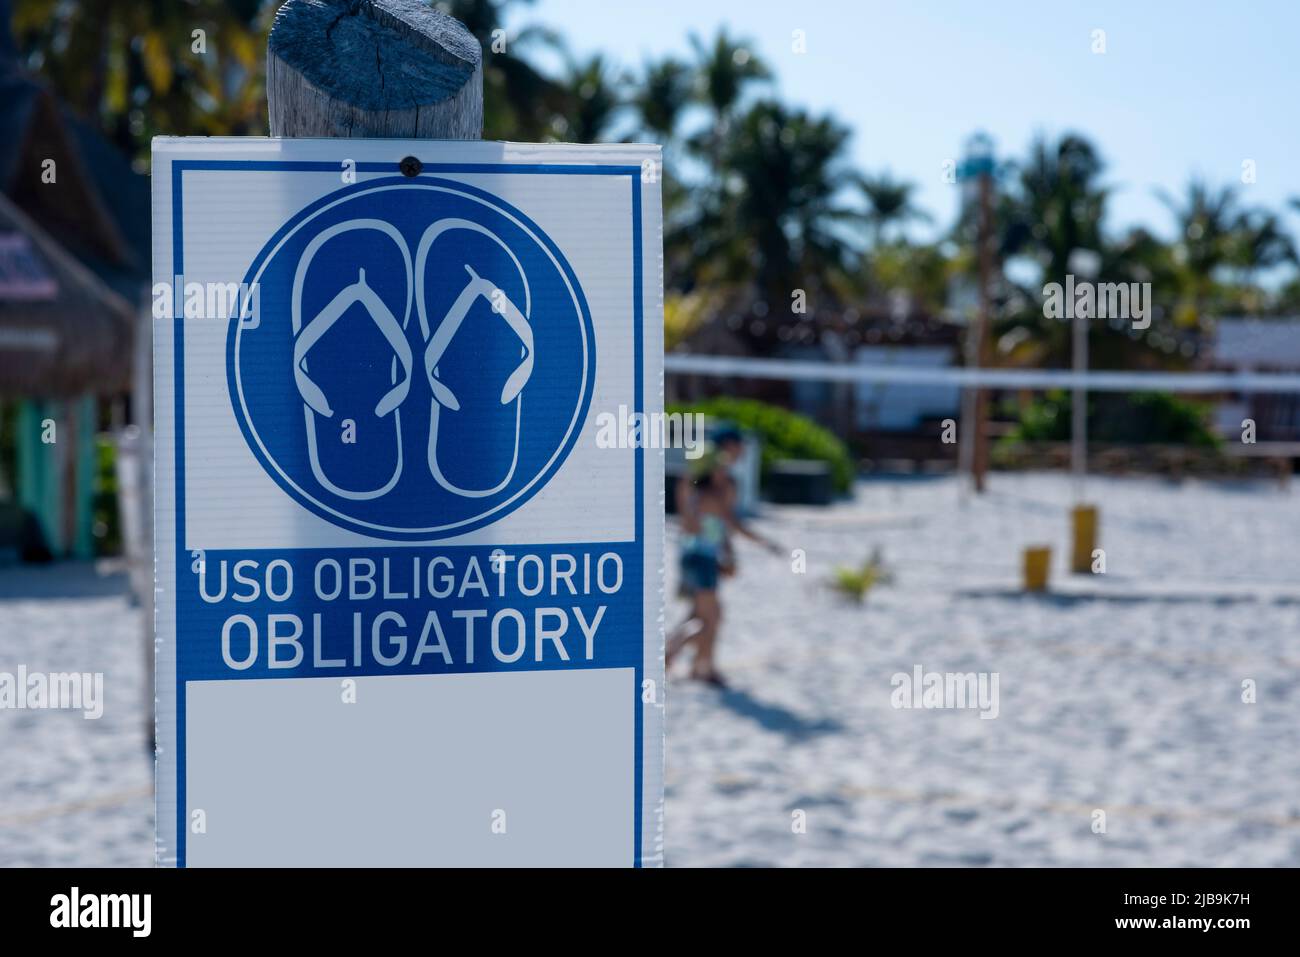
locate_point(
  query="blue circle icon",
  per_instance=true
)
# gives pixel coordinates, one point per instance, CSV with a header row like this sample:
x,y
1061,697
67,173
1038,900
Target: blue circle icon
x,y
421,361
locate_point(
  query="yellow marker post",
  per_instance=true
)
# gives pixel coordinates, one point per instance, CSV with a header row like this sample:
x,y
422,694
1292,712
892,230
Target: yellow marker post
x,y
1038,567
1083,519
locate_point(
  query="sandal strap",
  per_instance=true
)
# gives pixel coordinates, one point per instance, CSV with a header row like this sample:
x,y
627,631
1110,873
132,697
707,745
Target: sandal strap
x,y
450,325
388,326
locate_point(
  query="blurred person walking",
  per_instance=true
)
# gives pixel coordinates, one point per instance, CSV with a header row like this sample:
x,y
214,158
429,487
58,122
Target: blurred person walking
x,y
707,502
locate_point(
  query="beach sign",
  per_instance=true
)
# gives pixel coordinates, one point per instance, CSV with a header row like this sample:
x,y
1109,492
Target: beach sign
x,y
409,599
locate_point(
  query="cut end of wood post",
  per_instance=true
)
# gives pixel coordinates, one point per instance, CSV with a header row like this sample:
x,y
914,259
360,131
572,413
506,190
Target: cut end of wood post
x,y
373,68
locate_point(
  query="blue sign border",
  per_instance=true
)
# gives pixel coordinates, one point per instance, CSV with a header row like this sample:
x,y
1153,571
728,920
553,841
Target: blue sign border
x,y
178,169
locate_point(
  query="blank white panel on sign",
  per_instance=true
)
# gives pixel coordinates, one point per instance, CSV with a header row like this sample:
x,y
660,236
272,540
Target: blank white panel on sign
x,y
286,773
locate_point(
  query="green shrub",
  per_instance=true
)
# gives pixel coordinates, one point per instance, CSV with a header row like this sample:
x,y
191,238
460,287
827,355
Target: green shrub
x,y
1138,418
108,526
784,434
855,582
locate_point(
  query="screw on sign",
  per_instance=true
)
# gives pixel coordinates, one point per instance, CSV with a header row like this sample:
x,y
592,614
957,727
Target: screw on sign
x,y
392,476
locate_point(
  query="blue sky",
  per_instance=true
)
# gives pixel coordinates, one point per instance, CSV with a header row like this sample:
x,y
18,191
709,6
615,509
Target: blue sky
x,y
1183,88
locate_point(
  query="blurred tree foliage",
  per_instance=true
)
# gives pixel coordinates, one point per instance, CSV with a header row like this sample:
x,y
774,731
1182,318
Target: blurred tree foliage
x,y
1053,204
760,198
519,101
140,68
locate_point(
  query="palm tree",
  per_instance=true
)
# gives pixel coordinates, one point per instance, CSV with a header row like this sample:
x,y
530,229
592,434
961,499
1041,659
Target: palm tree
x,y
1206,219
662,96
136,69
1215,234
923,271
725,69
778,221
1259,241
889,203
592,101
1056,204
519,102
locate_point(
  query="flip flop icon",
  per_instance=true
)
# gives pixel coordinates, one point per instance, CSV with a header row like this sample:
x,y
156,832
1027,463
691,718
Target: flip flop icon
x,y
377,420
449,423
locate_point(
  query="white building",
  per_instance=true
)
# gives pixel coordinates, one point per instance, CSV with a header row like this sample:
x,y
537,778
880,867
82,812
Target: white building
x,y
1258,345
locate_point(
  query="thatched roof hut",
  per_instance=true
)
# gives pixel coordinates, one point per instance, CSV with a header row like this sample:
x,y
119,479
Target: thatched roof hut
x,y
63,331
74,245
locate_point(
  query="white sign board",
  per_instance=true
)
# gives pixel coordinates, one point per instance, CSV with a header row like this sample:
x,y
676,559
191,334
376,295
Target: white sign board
x,y
409,593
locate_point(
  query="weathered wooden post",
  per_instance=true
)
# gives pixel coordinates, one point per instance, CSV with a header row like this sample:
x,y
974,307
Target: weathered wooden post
x,y
373,68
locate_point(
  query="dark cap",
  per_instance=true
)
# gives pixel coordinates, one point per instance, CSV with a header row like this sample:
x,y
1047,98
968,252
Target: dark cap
x,y
726,434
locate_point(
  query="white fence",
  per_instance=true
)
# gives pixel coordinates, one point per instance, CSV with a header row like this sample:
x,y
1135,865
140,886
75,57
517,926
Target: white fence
x,y
1125,381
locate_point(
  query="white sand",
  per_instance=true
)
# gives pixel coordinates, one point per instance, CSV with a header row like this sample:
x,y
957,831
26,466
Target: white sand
x,y
74,792
1132,707
1121,703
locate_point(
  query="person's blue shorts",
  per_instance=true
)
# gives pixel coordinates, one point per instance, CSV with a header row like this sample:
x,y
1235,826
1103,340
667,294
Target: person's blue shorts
x,y
699,572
